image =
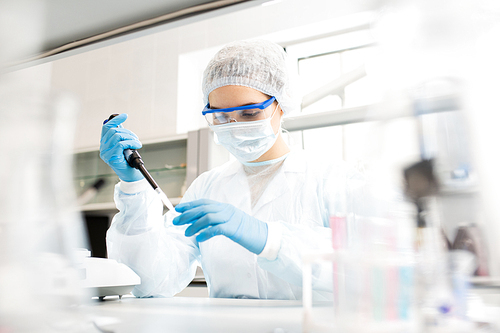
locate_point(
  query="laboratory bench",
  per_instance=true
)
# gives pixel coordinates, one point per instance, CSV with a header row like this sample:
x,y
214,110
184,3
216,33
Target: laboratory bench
x,y
203,314
196,314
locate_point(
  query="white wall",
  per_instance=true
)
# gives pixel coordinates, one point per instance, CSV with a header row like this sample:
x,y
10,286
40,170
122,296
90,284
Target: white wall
x,y
141,76
137,77
36,77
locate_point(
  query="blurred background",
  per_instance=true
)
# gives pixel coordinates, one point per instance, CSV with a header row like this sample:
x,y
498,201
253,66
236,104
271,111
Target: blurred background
x,y
406,89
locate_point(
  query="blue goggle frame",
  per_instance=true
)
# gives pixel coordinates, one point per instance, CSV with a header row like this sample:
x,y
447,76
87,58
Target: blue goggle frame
x,y
261,106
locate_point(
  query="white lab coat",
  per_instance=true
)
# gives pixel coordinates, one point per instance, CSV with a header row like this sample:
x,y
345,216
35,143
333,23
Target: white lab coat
x,y
296,204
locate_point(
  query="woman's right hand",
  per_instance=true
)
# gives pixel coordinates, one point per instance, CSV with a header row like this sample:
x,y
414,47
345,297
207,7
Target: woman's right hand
x,y
114,140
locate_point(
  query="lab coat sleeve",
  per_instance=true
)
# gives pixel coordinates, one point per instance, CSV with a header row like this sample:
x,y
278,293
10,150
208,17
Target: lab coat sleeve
x,y
147,242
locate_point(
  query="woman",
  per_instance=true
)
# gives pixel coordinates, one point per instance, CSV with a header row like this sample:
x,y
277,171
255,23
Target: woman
x,y
248,221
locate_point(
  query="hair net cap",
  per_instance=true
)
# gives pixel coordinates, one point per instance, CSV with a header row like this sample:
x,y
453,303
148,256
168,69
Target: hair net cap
x,y
258,64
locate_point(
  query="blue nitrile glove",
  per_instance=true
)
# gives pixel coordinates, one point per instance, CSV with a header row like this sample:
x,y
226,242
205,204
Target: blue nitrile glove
x,y
114,140
211,218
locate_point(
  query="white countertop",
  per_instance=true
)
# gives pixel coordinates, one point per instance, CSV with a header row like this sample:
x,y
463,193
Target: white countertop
x,y
193,314
202,314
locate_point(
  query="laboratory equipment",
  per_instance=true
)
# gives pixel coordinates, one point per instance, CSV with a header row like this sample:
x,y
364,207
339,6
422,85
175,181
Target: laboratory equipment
x,y
432,74
134,159
40,225
107,277
373,278
469,238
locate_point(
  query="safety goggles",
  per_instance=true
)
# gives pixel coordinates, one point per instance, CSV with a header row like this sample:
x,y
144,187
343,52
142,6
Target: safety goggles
x,y
244,113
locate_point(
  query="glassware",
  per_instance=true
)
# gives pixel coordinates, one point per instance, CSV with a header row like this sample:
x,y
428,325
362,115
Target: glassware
x,y
40,227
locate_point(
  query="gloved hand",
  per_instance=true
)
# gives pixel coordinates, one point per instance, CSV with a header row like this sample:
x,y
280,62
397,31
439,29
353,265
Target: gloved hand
x,y
114,140
211,218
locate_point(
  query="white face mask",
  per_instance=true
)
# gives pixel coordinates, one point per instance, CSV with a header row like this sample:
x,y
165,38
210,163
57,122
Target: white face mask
x,y
247,141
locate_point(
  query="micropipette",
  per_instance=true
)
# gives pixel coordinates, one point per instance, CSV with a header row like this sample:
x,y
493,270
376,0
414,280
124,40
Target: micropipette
x,y
134,159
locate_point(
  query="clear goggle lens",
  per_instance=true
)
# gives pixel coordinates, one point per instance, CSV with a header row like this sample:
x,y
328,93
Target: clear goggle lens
x,y
245,113
221,118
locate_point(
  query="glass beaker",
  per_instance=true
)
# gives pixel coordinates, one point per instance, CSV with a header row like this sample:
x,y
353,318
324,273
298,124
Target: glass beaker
x,y
40,226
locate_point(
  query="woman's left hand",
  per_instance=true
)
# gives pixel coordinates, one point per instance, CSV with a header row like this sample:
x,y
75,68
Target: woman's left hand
x,y
210,218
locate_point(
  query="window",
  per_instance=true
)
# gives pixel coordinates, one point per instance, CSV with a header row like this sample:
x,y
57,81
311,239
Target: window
x,y
343,81
333,79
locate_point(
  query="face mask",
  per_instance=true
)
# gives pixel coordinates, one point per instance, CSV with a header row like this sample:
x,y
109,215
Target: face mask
x,y
247,141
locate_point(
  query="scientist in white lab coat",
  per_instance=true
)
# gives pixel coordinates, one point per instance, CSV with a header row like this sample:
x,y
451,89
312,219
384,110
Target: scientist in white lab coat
x,y
247,222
